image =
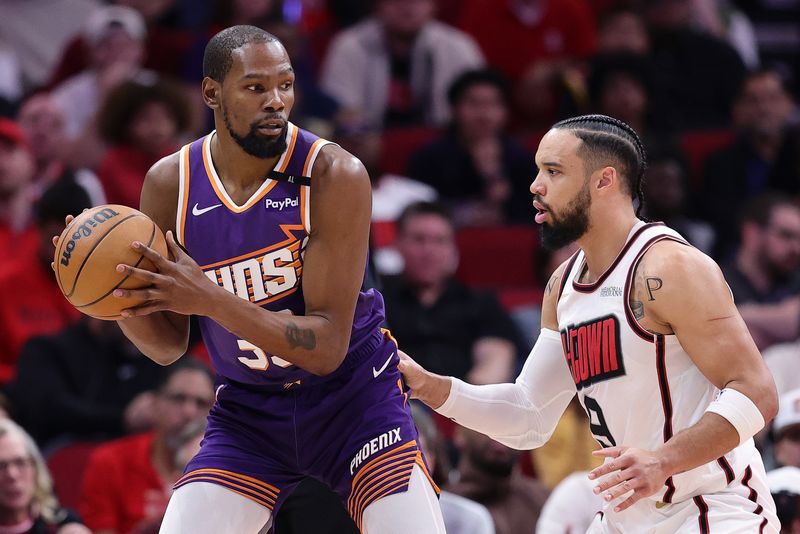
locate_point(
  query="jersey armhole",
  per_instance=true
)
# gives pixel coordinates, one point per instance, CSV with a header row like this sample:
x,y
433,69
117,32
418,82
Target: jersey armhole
x,y
305,190
183,196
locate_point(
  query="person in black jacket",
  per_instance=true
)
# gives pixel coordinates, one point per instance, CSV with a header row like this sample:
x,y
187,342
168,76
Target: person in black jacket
x,y
86,382
478,170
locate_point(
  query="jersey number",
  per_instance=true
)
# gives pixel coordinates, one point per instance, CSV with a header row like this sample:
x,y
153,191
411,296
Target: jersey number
x,y
597,423
261,360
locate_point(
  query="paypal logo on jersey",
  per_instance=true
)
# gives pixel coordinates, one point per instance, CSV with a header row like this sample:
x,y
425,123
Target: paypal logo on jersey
x,y
280,204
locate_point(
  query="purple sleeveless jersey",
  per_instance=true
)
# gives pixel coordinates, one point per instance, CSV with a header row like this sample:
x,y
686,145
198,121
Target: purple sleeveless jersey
x,y
256,252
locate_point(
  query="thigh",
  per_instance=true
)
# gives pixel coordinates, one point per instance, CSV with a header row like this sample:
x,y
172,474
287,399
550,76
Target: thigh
x,y
415,510
205,508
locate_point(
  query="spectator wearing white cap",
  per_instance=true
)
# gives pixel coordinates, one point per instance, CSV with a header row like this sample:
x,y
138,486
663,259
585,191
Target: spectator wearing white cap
x,y
115,35
786,429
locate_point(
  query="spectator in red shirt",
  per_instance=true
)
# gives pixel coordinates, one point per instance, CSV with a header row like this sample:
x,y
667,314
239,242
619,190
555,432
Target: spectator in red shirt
x,y
533,42
142,123
32,303
17,236
128,481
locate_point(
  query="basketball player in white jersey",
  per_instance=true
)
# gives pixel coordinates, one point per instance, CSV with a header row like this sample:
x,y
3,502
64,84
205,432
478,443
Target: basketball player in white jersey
x,y
643,328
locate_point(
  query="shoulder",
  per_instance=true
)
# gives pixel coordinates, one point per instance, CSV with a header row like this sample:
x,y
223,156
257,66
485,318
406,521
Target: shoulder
x,y
337,168
677,260
164,174
552,291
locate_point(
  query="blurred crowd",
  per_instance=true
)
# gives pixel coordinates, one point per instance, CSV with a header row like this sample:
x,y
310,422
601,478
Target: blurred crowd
x,y
444,101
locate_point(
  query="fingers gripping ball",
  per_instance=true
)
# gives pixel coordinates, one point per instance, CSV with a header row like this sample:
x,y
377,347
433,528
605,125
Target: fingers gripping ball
x,y
90,249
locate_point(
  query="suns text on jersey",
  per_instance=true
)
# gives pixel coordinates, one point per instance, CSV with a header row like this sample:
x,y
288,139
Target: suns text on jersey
x,y
263,277
593,350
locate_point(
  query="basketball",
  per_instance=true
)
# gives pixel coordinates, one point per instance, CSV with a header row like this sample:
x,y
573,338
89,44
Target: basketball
x,y
89,250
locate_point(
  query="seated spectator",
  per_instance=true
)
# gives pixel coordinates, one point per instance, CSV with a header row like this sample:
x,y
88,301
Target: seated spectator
x,y
783,360
127,482
116,36
764,156
666,191
765,273
461,515
142,123
689,93
534,43
784,485
448,327
27,502
621,29
93,381
42,120
394,68
571,507
620,85
786,430
17,235
476,168
32,303
765,268
489,473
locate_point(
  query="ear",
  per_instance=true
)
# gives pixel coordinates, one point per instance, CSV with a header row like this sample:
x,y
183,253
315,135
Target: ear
x,y
210,90
607,178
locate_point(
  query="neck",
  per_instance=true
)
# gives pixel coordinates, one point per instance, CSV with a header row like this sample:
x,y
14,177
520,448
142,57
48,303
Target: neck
x,y
748,264
430,293
237,168
601,245
10,518
163,458
766,145
488,484
400,44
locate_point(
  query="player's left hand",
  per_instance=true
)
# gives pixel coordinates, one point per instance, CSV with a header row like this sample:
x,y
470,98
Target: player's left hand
x,y
630,469
179,285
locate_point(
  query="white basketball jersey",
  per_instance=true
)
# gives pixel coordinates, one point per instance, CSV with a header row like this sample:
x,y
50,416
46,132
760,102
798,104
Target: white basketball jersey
x,y
638,388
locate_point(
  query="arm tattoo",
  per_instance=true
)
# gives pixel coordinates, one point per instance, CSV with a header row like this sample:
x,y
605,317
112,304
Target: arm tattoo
x,y
297,337
551,284
637,307
653,284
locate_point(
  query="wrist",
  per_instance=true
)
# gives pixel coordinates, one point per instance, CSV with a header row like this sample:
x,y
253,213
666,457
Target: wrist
x,y
666,461
435,390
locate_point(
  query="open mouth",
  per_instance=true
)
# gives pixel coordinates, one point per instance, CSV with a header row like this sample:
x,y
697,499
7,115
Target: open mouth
x,y
541,212
271,127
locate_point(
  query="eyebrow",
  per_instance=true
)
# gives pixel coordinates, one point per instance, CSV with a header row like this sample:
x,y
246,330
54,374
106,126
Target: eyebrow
x,y
551,164
254,75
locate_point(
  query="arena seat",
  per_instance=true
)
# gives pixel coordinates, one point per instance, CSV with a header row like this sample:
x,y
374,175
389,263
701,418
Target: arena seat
x,y
66,465
498,256
398,144
698,145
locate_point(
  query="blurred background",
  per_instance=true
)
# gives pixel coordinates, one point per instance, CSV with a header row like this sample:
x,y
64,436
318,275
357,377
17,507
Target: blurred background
x,y
445,102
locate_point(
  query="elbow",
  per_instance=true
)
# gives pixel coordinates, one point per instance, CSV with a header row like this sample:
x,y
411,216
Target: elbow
x,y
166,355
327,363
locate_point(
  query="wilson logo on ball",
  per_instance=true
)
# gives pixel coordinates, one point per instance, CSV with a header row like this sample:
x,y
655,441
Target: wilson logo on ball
x,y
85,230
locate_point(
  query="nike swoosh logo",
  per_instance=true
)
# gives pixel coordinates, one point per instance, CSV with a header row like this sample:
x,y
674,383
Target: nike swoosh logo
x,y
660,504
376,372
199,211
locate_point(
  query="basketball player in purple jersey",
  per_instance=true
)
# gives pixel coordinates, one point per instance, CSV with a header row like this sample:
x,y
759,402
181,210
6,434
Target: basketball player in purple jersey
x,y
274,222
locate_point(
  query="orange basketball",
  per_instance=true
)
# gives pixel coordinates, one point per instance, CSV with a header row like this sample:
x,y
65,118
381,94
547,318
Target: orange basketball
x,y
90,249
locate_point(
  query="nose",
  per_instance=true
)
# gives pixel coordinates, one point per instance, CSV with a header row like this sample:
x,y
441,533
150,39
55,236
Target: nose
x,y
537,186
273,101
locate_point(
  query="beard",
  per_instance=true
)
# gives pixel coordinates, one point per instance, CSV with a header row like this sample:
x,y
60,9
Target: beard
x,y
255,144
571,225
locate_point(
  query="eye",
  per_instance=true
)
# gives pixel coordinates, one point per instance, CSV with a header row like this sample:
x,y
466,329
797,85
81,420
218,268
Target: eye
x,y
552,172
255,88
287,85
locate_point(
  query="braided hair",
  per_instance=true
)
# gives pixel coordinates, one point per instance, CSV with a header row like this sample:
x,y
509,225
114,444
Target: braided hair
x,y
605,137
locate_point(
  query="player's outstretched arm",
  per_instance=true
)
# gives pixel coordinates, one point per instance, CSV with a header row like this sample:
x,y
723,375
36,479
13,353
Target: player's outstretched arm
x,y
162,336
684,291
521,415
